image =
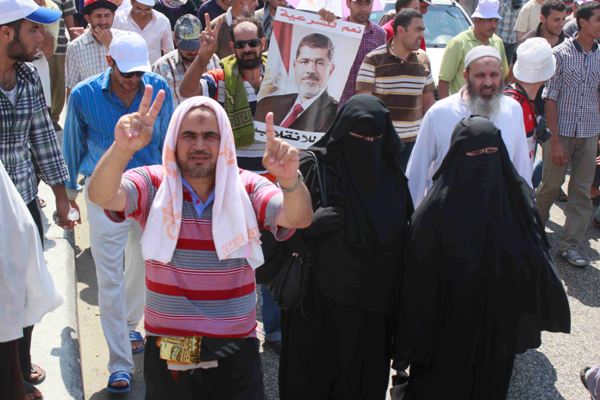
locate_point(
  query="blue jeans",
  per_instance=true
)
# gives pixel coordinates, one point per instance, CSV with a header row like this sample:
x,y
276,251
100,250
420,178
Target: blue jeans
x,y
271,316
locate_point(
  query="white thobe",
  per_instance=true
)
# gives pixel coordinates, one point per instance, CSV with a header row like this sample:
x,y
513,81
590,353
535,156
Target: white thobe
x,y
433,140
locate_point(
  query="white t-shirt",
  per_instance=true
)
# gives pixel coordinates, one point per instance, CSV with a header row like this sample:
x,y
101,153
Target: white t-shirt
x,y
433,140
11,94
529,16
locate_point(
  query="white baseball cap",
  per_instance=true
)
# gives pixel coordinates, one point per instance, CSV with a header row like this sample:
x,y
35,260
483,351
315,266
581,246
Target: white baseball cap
x,y
14,10
487,9
130,51
535,61
481,51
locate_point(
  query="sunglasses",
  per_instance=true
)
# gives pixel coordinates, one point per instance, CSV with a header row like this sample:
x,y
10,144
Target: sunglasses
x,y
240,44
129,75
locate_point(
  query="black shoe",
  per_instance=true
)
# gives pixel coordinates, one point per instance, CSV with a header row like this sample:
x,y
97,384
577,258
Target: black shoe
x,y
274,345
562,196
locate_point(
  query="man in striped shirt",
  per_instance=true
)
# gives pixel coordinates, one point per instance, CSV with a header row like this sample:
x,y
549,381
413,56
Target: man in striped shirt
x,y
400,74
200,284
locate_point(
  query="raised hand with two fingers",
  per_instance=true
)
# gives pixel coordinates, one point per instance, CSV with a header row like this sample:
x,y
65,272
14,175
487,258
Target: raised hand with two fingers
x,y
134,131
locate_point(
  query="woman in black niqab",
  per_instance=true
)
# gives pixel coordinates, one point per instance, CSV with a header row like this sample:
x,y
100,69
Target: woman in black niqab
x,y
339,345
479,284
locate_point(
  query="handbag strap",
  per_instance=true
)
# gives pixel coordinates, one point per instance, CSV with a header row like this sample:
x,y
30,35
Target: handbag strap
x,y
321,179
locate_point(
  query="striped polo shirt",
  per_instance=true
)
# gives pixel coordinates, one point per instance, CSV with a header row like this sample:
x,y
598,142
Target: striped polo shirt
x,y
400,85
196,293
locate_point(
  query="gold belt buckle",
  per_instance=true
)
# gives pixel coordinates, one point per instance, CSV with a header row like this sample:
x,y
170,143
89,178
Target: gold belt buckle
x,y
185,350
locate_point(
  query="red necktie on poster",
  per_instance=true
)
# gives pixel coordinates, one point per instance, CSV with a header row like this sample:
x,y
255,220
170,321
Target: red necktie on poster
x,y
296,110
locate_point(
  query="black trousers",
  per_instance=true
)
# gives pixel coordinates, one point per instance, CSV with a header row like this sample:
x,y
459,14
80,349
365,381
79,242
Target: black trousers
x,y
333,351
24,343
11,381
480,382
238,377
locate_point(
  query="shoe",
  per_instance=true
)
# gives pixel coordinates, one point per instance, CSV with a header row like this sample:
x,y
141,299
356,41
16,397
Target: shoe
x,y
37,370
119,376
274,345
582,373
136,338
574,257
32,392
562,196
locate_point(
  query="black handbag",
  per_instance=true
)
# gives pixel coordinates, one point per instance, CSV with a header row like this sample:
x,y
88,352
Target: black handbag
x,y
289,282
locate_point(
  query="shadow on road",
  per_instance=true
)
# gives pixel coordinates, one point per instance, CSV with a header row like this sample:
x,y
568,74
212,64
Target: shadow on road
x,y
70,363
533,377
86,274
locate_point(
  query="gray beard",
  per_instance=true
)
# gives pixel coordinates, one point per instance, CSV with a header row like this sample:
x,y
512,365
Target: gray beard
x,y
484,107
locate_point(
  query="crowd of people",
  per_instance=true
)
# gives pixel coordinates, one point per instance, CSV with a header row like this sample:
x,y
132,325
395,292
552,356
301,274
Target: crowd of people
x,y
417,219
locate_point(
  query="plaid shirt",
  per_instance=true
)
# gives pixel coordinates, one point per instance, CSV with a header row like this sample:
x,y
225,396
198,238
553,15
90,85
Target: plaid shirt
x,y
506,26
576,88
373,37
27,126
86,57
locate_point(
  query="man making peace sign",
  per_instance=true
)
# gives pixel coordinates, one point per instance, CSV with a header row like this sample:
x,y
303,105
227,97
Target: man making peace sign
x,y
201,216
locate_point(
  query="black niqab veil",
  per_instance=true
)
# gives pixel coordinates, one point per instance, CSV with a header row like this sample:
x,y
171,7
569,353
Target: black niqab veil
x,y
367,178
479,283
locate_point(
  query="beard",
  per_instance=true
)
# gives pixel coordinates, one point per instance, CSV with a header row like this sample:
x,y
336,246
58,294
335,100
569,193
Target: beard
x,y
17,51
486,106
249,63
189,169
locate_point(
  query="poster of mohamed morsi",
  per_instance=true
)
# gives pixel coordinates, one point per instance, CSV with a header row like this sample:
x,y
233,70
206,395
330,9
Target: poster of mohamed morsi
x,y
307,68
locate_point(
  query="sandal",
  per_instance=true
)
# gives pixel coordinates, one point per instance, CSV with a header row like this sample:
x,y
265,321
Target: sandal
x,y
136,338
41,374
119,376
32,392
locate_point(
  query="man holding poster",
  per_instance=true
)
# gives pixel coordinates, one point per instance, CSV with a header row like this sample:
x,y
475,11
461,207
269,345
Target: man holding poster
x,y
312,108
305,76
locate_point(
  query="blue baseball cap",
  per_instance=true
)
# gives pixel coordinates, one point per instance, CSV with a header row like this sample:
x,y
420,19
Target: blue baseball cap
x,y
14,10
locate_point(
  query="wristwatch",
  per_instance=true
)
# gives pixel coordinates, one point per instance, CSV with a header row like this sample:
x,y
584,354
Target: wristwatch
x,y
293,187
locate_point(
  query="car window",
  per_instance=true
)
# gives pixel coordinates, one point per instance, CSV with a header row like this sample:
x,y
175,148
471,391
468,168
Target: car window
x,y
376,15
442,23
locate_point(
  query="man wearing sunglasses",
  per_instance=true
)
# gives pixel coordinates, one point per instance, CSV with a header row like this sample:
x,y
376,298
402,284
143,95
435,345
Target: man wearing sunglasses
x,y
95,105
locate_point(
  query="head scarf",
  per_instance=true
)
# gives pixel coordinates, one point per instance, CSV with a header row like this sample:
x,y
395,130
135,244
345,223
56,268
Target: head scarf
x,y
368,179
234,226
479,284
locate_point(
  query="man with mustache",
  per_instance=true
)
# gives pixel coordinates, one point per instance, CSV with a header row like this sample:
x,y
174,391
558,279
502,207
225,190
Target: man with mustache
x,y
172,66
94,107
485,20
312,108
86,55
27,136
483,94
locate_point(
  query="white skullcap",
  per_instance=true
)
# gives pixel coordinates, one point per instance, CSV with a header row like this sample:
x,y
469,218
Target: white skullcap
x,y
481,51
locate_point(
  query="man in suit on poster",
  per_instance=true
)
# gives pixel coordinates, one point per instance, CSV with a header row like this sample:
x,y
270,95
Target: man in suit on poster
x,y
312,108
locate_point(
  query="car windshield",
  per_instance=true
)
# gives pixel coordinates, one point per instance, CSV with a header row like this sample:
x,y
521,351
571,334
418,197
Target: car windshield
x,y
442,23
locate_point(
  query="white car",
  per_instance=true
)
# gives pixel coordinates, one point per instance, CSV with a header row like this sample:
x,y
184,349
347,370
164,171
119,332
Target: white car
x,y
444,20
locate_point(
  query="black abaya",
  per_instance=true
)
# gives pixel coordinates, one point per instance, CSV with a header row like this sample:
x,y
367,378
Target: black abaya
x,y
479,285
